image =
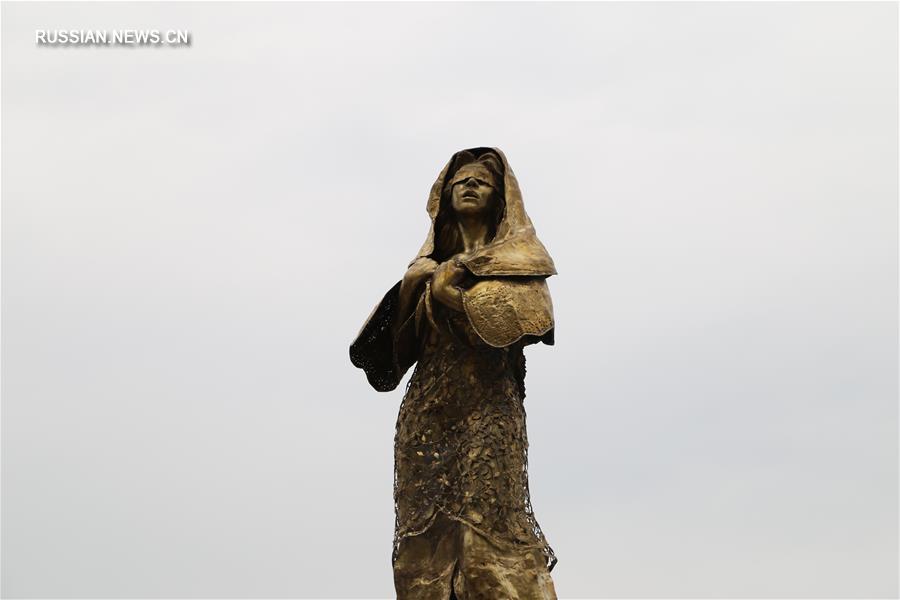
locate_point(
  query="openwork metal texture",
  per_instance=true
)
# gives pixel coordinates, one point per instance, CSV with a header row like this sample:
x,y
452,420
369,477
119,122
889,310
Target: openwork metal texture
x,y
465,527
461,443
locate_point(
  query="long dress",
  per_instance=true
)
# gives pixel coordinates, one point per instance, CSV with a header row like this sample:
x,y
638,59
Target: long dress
x,y
460,453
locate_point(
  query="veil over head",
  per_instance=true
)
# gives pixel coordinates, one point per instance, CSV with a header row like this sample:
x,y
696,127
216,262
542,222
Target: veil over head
x,y
515,249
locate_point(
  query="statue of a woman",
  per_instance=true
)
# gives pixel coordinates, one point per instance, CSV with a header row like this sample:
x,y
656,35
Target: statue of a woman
x,y
471,300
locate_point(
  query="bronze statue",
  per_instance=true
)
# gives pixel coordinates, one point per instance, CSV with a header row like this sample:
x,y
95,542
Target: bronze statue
x,y
471,300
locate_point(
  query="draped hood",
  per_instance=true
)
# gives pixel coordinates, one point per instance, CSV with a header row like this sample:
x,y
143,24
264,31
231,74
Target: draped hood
x,y
515,249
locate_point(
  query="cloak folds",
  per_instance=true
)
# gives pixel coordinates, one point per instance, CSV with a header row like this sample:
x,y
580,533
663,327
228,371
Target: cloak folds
x,y
507,298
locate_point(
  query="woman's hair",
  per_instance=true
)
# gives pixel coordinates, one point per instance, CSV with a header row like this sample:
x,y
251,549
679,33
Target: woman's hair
x,y
447,239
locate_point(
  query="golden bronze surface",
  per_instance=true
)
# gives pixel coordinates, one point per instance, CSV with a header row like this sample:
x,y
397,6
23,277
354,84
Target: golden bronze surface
x,y
471,300
503,311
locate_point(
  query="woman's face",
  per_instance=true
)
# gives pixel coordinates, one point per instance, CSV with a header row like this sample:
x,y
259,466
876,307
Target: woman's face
x,y
472,192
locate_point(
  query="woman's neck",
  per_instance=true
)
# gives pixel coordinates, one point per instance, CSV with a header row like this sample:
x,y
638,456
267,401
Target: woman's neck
x,y
474,233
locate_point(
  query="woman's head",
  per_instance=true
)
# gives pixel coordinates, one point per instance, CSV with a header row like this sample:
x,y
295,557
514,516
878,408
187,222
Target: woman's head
x,y
474,190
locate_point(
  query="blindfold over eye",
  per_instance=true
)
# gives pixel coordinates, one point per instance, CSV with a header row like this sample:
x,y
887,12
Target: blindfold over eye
x,y
480,173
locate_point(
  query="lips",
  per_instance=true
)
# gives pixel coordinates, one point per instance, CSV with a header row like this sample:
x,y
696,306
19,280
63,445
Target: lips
x,y
470,195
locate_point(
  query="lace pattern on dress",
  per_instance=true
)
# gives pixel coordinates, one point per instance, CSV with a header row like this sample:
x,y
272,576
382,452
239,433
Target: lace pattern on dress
x,y
461,445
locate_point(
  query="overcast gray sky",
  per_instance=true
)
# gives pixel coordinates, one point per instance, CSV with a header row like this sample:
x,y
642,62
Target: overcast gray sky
x,y
191,237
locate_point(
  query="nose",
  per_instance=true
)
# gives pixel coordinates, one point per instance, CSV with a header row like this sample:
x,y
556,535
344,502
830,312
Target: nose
x,y
471,182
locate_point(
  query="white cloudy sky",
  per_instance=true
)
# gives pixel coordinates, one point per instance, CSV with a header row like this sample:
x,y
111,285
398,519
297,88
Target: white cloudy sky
x,y
191,237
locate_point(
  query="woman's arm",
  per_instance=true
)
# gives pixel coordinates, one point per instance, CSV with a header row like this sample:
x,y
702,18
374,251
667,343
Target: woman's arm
x,y
387,345
443,284
417,273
